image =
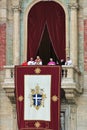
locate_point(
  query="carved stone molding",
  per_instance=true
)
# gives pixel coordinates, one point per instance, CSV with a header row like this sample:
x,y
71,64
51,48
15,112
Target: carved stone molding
x,y
10,94
16,5
16,8
71,94
73,6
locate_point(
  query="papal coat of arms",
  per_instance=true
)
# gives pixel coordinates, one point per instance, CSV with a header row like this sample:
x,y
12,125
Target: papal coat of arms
x,y
37,97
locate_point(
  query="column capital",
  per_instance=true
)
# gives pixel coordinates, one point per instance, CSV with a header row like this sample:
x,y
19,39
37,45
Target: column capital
x,y
73,6
16,5
16,8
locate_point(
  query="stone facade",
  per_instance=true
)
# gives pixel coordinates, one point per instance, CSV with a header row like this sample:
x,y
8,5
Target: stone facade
x,y
13,20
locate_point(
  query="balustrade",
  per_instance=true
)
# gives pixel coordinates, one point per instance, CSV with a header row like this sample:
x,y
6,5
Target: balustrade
x,y
70,81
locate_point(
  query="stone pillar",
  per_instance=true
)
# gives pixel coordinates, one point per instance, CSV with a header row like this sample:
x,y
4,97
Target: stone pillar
x,y
15,126
16,34
73,117
73,34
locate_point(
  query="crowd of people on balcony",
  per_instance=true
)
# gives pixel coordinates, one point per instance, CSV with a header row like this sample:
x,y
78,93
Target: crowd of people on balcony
x,y
38,61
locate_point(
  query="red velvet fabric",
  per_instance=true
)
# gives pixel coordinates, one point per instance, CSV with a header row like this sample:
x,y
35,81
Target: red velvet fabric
x,y
52,15
56,29
36,22
55,72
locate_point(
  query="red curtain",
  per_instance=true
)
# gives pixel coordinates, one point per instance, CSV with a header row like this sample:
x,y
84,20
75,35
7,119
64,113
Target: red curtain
x,y
56,29
52,15
36,22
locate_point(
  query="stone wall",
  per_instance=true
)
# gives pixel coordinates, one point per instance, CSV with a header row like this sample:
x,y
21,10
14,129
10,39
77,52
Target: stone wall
x,y
82,100
6,113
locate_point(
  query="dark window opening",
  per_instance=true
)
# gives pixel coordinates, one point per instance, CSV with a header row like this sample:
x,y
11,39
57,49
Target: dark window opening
x,y
46,50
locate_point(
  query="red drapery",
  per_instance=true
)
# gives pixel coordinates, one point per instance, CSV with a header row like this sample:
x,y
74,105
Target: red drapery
x,y
55,72
52,15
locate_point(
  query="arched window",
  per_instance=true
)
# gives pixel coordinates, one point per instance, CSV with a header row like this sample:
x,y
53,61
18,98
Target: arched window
x,y
46,21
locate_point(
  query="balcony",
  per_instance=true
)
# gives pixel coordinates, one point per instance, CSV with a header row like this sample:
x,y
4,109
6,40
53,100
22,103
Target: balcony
x,y
71,82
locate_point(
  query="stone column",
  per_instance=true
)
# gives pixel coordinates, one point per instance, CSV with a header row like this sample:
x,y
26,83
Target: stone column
x,y
15,125
73,34
73,117
16,34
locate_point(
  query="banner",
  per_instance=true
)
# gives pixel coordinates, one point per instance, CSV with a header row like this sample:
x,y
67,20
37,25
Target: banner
x,y
38,97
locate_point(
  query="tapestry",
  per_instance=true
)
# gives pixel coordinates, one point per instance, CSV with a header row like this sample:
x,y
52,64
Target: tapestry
x,y
38,97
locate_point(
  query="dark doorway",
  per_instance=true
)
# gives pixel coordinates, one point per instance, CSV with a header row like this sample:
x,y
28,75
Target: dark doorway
x,y
46,50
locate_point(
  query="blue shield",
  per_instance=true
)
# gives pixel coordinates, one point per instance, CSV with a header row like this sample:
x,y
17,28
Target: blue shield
x,y
37,98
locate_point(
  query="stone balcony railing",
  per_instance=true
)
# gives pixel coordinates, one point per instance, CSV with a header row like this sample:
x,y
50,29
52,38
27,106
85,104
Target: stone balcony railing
x,y
71,82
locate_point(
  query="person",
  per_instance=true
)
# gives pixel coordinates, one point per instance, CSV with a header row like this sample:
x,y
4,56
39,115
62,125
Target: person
x,y
68,61
62,62
24,63
38,61
31,62
57,62
51,62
